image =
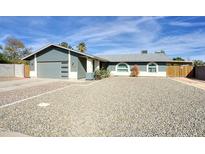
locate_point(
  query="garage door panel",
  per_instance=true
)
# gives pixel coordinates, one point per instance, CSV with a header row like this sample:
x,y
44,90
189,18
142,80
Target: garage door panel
x,y
64,70
49,70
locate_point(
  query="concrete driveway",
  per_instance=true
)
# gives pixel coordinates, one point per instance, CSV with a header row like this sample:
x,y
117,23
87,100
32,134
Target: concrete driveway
x,y
7,84
18,90
143,106
9,78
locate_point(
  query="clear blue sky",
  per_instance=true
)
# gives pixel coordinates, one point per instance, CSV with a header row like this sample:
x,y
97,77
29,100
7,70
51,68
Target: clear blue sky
x,y
178,36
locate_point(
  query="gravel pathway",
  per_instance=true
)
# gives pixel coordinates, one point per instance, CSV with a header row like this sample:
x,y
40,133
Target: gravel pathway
x,y
143,106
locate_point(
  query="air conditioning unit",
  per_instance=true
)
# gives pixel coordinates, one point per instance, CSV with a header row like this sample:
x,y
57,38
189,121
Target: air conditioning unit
x,y
161,51
144,51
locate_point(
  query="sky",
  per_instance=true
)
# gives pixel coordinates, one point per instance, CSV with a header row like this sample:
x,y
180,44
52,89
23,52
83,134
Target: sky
x,y
177,36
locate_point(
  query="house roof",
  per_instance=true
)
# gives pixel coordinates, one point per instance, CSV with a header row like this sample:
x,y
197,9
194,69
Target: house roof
x,y
49,45
146,57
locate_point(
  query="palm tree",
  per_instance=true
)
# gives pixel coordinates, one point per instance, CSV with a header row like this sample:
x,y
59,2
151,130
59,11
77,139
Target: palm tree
x,y
82,47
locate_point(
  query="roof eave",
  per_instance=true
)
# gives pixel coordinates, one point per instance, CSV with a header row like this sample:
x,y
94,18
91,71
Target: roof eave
x,y
173,61
36,52
94,57
139,61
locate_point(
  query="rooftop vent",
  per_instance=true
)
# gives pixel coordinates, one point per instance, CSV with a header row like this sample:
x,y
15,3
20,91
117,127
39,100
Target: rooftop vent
x,y
161,51
144,51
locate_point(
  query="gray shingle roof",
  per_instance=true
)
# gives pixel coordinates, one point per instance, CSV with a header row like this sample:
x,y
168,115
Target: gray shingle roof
x,y
155,57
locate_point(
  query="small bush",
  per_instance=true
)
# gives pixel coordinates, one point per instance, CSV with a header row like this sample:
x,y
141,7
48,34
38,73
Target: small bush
x,y
97,75
102,73
134,71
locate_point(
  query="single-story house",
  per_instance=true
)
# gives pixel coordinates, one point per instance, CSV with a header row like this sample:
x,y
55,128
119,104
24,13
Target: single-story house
x,y
54,61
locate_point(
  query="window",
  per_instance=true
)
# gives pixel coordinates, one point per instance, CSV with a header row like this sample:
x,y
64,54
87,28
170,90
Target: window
x,y
152,67
122,68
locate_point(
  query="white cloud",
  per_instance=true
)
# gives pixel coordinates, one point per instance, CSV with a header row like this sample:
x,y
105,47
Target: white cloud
x,y
3,37
187,24
190,46
38,43
123,35
181,43
104,31
148,37
37,22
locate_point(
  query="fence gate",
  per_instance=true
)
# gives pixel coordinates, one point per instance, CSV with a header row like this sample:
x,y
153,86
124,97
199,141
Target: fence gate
x,y
180,71
26,71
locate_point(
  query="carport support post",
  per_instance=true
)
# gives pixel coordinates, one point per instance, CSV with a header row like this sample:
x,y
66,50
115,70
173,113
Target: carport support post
x,y
89,65
97,65
69,65
35,65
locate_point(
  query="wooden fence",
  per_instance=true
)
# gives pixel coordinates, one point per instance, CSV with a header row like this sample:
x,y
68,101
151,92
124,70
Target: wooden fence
x,y
26,71
180,71
200,72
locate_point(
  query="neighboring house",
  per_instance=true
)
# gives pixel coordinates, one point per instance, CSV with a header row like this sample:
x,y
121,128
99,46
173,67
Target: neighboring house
x,y
54,61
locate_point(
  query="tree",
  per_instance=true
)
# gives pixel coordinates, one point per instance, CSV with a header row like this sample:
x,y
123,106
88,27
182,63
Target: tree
x,y
1,47
15,49
3,59
65,45
178,59
198,63
25,52
82,47
70,47
12,47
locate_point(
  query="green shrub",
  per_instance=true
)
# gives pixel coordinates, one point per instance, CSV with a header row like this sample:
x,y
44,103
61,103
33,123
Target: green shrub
x,y
102,73
97,75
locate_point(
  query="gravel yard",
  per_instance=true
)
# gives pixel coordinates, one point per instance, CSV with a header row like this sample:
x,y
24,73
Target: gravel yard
x,y
121,106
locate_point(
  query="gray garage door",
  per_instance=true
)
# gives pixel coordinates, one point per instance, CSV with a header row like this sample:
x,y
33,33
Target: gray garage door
x,y
49,70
